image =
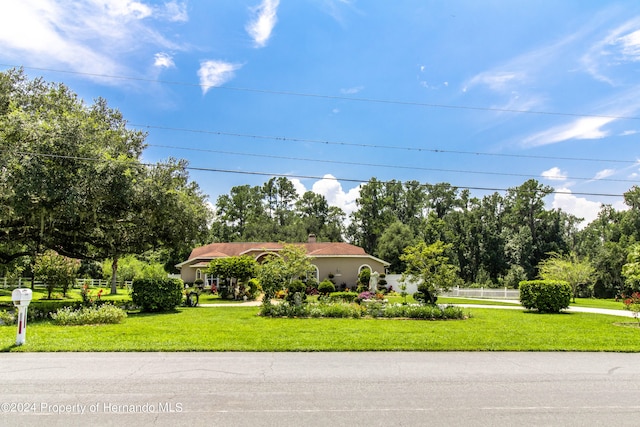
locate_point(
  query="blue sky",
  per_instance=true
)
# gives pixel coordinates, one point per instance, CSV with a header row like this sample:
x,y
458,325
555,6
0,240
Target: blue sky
x,y
481,94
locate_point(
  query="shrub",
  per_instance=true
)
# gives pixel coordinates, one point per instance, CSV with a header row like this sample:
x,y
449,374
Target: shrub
x,y
155,295
366,295
343,296
253,289
426,294
104,314
284,309
312,286
326,287
296,287
546,296
342,310
7,318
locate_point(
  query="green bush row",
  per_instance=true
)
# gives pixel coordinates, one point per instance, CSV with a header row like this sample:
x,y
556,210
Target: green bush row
x,y
104,314
342,296
356,311
546,296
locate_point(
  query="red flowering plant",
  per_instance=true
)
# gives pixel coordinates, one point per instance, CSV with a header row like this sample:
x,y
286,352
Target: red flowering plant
x,y
633,303
87,297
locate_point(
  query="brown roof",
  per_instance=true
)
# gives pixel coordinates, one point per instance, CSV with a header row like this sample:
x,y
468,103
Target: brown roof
x,y
216,250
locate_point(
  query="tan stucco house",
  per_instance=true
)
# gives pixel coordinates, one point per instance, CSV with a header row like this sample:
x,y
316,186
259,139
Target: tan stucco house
x,y
342,260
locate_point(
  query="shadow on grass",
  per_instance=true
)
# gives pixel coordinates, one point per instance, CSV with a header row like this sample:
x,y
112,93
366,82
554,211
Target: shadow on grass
x,y
8,348
544,313
151,313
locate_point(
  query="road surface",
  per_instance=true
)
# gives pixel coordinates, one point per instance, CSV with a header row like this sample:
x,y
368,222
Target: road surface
x,y
320,389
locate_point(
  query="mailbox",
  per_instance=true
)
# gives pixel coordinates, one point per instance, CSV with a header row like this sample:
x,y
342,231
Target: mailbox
x,y
21,299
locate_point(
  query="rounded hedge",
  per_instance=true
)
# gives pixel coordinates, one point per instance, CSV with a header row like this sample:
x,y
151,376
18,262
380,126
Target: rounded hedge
x,y
157,295
546,296
326,287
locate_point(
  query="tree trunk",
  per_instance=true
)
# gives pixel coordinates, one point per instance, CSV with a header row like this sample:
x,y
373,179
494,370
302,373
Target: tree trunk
x,y
114,275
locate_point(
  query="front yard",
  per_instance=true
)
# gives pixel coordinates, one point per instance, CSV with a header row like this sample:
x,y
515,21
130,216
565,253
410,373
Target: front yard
x,y
240,329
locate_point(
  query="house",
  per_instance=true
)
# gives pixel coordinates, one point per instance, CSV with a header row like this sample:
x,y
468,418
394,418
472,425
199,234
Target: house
x,y
339,260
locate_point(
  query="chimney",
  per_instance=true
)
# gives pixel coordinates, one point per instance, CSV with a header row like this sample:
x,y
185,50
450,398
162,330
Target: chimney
x,y
312,238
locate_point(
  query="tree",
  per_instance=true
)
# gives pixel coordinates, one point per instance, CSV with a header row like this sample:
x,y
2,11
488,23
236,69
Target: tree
x,y
236,268
568,268
429,267
631,270
71,180
392,243
240,215
56,271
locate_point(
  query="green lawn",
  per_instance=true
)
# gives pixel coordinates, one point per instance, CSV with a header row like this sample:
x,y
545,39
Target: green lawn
x,y
40,294
240,329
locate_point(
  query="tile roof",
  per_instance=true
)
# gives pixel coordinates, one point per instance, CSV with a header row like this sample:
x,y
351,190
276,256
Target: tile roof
x,y
216,250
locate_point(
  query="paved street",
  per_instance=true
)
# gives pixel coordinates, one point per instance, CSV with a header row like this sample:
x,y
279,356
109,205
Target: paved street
x,y
319,389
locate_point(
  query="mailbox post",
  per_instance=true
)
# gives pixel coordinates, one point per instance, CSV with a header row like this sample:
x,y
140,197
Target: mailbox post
x,y
21,299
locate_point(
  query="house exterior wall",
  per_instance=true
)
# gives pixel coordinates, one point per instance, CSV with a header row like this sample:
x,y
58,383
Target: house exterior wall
x,y
188,274
345,269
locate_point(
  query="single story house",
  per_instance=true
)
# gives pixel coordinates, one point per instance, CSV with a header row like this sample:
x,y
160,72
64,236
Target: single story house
x,y
339,260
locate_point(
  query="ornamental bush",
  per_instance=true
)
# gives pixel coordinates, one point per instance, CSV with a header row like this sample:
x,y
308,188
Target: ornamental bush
x,y
326,287
103,314
342,296
157,294
296,287
546,296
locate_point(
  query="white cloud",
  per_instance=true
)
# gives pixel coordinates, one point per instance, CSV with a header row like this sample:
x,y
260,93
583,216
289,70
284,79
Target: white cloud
x,y
299,186
578,206
332,190
125,8
215,73
87,36
554,174
604,174
176,11
629,132
620,45
261,27
497,80
163,60
585,128
351,90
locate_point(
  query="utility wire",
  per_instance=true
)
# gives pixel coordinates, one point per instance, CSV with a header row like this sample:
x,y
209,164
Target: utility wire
x,y
332,97
272,174
380,165
390,147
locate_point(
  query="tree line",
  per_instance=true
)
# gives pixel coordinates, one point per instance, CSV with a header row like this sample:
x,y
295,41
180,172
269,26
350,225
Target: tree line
x,y
495,240
72,181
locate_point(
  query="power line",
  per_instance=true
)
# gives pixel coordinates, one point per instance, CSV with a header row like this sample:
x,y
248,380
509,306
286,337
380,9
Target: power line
x,y
333,97
378,146
342,162
275,174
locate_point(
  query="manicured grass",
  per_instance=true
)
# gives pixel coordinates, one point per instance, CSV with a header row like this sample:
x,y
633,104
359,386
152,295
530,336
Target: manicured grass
x,y
208,298
599,303
240,329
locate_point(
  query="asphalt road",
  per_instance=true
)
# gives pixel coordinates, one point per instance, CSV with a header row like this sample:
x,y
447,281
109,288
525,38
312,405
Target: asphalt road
x,y
319,389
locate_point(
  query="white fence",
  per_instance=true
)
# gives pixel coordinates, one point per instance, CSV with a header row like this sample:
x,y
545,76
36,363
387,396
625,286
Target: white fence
x,y
393,280
503,293
25,282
